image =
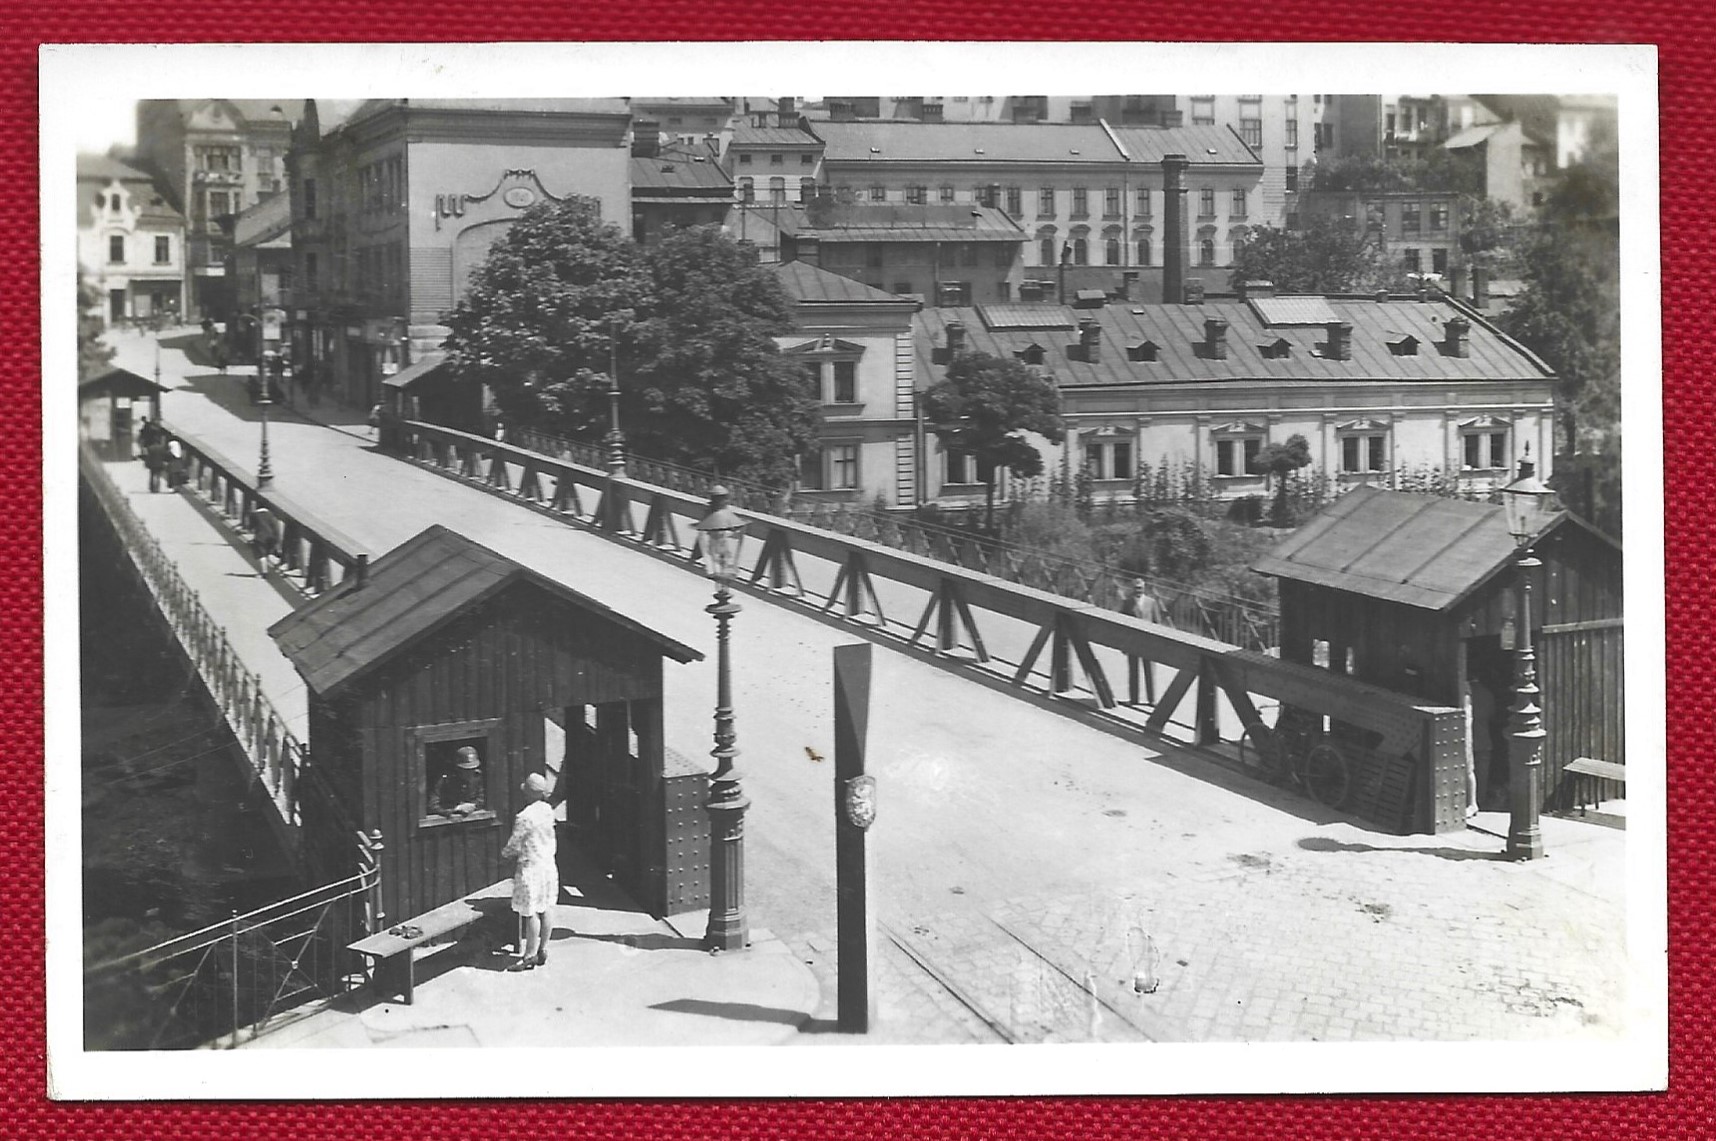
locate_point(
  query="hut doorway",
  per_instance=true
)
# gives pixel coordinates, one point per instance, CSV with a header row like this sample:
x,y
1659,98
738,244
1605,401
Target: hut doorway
x,y
604,782
1486,693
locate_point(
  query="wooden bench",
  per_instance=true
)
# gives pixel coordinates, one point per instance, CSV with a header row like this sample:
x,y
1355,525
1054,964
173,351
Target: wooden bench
x,y
1588,777
392,953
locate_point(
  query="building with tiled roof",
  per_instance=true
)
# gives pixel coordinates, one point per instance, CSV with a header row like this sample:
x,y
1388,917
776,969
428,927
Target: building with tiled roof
x,y
130,240
214,159
854,342
1088,194
676,185
953,254
1390,390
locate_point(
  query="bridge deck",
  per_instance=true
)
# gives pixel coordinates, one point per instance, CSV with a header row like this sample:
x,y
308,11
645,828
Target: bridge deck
x,y
986,802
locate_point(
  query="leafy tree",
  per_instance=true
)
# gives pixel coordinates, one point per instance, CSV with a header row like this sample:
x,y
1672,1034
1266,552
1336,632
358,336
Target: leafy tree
x,y
1439,171
558,295
563,302
1569,311
984,406
1281,461
93,354
1488,229
709,387
1325,255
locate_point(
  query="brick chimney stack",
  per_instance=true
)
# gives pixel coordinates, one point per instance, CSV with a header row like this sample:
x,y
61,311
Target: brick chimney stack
x,y
1455,337
1215,338
1340,343
1174,223
955,338
1090,340
1480,287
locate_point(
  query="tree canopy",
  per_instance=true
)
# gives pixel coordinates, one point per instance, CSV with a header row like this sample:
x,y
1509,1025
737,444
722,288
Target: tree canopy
x,y
564,302
1325,255
1569,313
93,354
984,406
1281,461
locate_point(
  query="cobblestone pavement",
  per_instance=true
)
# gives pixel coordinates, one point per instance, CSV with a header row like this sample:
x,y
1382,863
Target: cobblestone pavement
x,y
1430,938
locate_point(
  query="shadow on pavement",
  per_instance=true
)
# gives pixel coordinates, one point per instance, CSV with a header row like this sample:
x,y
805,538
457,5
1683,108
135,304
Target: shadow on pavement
x,y
736,1011
650,941
1324,844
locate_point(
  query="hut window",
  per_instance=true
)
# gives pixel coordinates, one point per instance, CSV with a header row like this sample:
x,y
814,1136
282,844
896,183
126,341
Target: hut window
x,y
455,774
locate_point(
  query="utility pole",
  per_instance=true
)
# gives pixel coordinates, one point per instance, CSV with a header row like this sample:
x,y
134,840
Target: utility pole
x,y
854,812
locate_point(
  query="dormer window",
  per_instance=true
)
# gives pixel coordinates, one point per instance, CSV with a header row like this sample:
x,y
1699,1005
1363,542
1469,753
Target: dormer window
x,y
1278,349
1404,346
1143,351
1030,354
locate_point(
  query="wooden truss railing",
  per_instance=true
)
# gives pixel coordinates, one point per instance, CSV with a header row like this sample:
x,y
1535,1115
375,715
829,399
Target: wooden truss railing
x,y
1409,755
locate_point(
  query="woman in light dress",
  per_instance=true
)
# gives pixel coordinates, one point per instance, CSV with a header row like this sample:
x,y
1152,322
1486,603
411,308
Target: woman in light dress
x,y
536,882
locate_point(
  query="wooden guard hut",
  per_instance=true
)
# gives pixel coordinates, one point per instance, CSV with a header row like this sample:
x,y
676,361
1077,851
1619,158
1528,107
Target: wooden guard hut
x,y
444,676
1419,594
108,401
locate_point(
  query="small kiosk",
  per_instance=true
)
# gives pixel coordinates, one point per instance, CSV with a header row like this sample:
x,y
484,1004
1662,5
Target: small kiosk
x,y
444,675
108,402
1418,594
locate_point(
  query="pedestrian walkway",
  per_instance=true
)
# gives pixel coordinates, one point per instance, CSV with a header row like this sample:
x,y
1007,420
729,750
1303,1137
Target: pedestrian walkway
x,y
614,977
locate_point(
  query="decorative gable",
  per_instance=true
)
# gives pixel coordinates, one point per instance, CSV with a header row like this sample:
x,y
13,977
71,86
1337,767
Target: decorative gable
x,y
827,344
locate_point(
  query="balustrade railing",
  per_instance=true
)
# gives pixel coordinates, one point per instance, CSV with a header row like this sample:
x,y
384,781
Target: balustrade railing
x,y
308,554
1010,632
274,752
209,987
1212,614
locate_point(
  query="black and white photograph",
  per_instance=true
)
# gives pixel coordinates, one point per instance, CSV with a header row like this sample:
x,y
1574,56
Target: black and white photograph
x,y
562,559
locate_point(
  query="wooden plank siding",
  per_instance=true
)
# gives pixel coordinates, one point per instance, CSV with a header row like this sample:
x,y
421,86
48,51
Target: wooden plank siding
x,y
505,662
1580,670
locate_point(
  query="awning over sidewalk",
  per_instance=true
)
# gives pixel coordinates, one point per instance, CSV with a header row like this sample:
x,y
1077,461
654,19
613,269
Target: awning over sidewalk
x,y
412,373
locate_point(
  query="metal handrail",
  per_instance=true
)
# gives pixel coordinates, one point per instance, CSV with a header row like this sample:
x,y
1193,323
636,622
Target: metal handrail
x,y
274,752
1211,613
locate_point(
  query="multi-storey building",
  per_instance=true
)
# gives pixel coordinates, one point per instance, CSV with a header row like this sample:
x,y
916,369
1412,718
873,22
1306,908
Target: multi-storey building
x,y
1281,131
1124,110
772,163
395,205
678,185
130,241
954,254
262,276
855,344
1396,391
214,158
684,121
1085,194
1419,229
1508,163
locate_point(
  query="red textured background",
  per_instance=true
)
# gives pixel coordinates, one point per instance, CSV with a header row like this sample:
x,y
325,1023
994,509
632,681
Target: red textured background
x,y
1688,111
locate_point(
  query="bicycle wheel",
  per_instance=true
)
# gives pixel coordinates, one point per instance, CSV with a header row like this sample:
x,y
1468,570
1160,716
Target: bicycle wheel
x,y
1327,776
1260,748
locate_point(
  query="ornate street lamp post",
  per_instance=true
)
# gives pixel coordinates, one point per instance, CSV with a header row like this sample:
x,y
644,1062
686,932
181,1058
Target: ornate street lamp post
x,y
264,398
1526,501
723,534
615,440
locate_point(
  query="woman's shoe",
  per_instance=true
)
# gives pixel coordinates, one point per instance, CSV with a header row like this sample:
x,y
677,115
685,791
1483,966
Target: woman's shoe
x,y
523,965
542,957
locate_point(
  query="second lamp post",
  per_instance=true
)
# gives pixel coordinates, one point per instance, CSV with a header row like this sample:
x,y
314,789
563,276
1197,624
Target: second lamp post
x,y
723,533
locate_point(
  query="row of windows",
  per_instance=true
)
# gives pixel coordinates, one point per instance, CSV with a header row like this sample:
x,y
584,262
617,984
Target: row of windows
x,y
1413,259
116,249
220,159
381,184
835,466
806,159
1013,197
1077,250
